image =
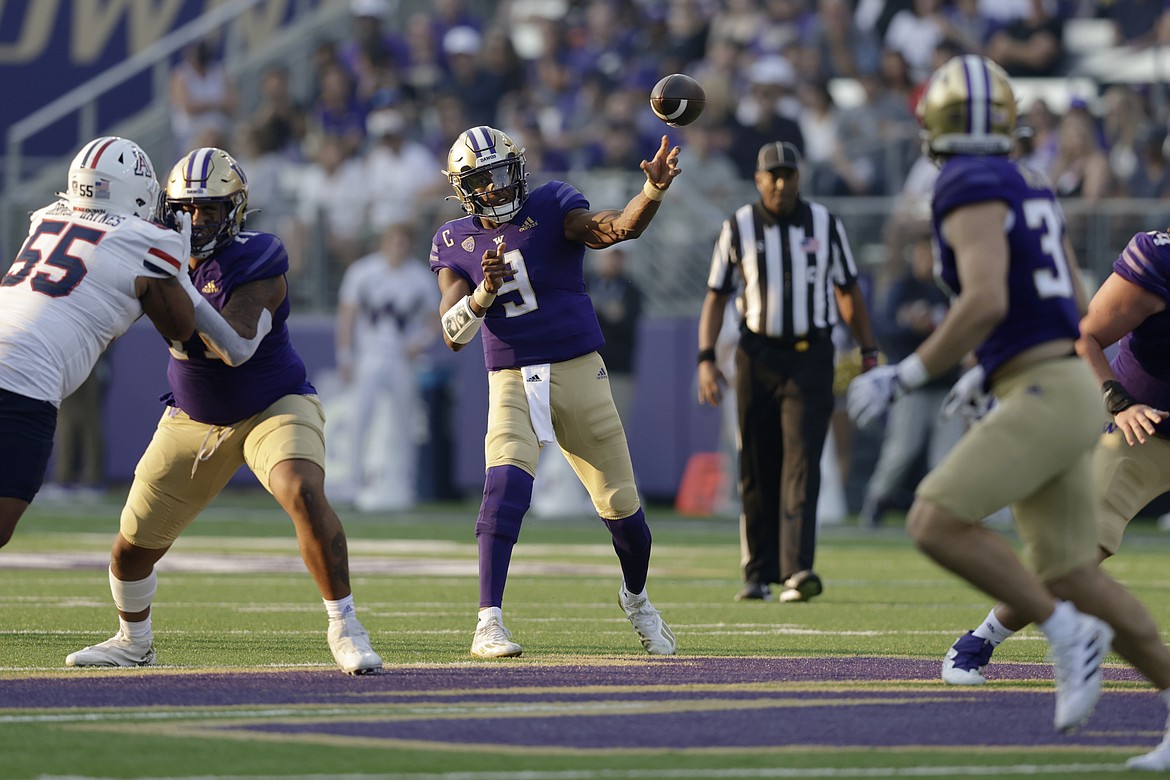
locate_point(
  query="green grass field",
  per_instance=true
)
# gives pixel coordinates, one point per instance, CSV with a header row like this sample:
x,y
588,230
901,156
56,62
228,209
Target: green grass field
x,y
234,596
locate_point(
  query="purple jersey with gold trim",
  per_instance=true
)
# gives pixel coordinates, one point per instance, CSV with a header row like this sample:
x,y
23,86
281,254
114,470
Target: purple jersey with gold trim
x,y
1142,362
542,313
1042,300
209,390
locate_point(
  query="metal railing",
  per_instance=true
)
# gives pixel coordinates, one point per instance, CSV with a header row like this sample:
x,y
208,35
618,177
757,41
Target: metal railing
x,y
83,99
23,192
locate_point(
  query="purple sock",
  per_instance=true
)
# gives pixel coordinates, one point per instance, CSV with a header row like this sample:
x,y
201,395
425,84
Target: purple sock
x,y
507,492
495,554
631,542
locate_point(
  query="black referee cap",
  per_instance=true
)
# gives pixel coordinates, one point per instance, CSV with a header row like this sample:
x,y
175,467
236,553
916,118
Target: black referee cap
x,y
777,155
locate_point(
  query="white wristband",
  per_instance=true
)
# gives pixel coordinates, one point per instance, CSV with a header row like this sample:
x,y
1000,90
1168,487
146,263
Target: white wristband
x,y
911,372
482,297
652,192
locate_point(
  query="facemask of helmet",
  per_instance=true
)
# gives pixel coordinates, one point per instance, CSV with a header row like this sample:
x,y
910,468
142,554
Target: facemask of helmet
x,y
968,108
487,171
113,174
211,180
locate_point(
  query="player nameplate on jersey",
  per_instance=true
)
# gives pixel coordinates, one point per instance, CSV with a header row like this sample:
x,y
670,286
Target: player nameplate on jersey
x,y
468,244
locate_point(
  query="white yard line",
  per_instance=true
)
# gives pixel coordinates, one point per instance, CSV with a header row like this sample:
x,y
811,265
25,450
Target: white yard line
x,y
981,770
231,563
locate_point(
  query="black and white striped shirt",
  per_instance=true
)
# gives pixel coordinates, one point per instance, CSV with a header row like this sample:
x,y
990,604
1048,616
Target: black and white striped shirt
x,y
787,266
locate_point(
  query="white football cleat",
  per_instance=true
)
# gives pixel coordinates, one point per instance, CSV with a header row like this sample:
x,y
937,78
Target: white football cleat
x,y
491,639
350,644
118,650
1157,760
1076,664
656,636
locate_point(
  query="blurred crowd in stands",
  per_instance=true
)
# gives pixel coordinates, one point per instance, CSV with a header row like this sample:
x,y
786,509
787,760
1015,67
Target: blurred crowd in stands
x,y
568,79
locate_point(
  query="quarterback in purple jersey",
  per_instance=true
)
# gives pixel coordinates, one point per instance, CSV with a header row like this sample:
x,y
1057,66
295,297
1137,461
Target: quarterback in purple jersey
x,y
239,395
514,266
1017,299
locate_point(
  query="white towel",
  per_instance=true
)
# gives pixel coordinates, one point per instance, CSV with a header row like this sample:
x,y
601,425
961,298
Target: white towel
x,y
536,383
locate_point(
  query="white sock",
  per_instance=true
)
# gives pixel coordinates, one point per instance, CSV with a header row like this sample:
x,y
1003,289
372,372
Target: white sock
x,y
1062,623
634,596
138,631
487,613
992,630
1165,694
340,608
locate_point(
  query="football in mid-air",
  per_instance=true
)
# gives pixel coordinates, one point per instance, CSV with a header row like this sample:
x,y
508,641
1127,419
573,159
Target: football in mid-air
x,y
677,100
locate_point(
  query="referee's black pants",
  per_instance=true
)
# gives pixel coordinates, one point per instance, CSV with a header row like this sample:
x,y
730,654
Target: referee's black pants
x,y
785,400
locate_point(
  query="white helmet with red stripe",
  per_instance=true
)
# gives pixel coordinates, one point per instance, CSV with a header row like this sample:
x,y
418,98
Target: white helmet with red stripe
x,y
113,174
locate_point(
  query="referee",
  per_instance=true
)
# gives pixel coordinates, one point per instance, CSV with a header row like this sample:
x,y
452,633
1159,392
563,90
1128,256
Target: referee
x,y
798,280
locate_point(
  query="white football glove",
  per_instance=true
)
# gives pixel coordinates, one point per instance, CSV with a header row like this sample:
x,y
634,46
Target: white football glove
x,y
871,393
183,220
967,397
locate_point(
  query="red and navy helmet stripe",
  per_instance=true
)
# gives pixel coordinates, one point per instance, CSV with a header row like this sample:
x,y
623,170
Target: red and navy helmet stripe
x,y
93,152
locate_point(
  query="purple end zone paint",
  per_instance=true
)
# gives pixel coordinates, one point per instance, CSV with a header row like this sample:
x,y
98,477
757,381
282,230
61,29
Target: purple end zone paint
x,y
841,714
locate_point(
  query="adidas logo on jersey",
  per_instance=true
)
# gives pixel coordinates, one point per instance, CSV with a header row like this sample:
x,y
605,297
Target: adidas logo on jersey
x,y
601,374
534,378
528,224
211,288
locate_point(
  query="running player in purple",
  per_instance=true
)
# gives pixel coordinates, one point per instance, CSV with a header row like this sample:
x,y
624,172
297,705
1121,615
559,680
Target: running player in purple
x,y
239,395
514,266
1131,464
1004,255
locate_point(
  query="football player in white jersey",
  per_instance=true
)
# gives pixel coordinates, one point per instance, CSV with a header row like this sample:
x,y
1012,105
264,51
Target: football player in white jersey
x,y
93,262
387,317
